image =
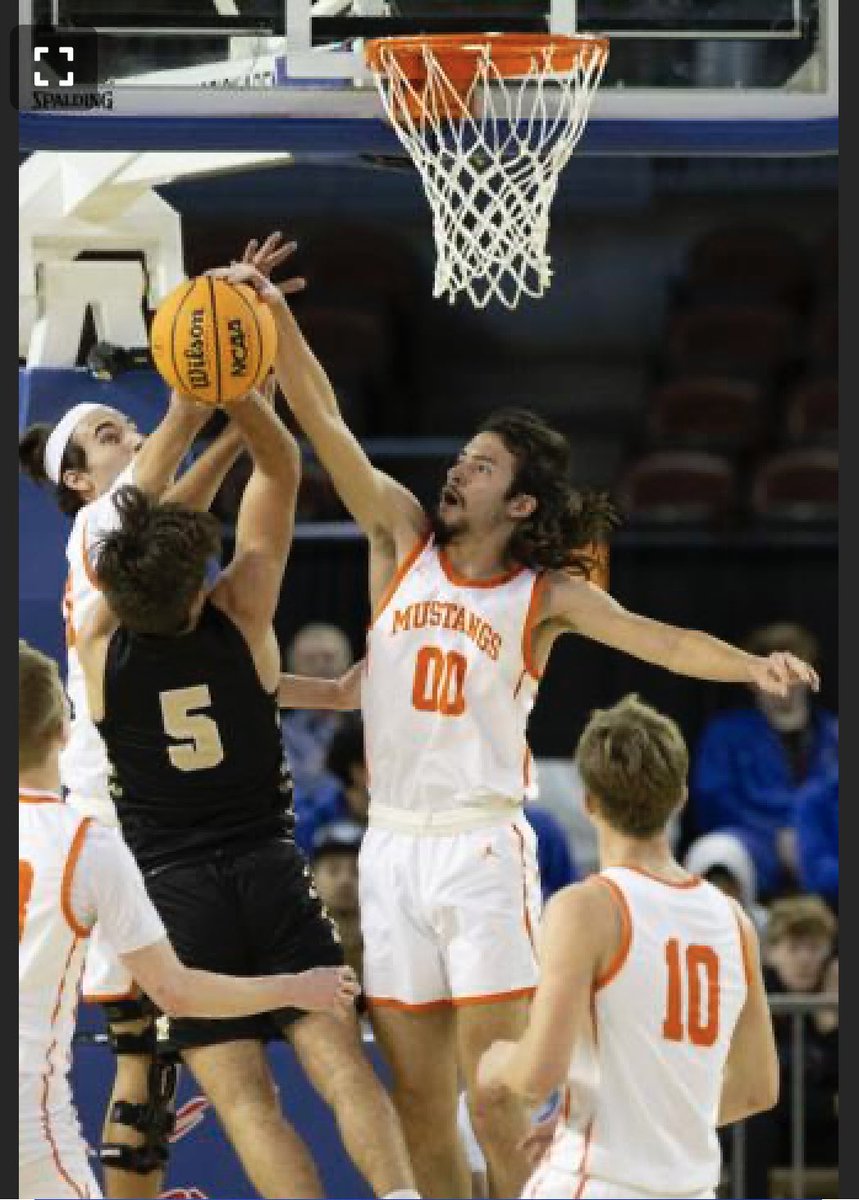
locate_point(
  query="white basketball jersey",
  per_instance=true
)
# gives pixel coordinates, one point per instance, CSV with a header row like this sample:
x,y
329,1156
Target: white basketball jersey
x,y
643,1095
51,943
448,687
83,762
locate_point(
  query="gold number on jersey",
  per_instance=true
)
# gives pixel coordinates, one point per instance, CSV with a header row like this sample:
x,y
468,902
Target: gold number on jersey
x,y
180,722
700,960
439,681
25,888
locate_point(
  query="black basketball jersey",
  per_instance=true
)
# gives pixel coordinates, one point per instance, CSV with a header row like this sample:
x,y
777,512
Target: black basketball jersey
x,y
194,743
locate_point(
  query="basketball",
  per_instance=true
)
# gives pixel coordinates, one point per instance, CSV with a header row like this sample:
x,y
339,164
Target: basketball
x,y
212,340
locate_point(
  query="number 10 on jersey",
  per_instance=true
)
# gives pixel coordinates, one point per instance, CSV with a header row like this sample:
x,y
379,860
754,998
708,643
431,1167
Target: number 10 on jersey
x,y
701,967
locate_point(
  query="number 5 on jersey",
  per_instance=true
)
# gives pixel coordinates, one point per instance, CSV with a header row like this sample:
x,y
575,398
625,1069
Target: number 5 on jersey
x,y
202,747
439,681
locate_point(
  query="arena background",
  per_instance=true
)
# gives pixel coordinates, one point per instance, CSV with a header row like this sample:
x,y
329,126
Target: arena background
x,y
597,356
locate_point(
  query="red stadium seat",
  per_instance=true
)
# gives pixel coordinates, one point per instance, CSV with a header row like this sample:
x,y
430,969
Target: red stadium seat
x,y
797,486
748,341
679,487
748,264
706,412
811,414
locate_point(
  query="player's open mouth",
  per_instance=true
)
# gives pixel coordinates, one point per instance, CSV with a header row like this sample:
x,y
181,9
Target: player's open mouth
x,y
450,497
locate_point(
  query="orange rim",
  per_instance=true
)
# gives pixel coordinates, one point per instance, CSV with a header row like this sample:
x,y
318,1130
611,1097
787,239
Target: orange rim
x,y
458,54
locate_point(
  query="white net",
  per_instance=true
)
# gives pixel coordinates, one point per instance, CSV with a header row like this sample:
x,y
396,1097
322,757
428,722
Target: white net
x,y
489,156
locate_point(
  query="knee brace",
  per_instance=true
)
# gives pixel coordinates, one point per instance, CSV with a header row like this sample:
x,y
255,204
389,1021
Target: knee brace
x,y
154,1118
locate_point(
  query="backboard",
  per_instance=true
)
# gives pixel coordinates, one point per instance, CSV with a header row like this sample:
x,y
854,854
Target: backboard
x,y
684,77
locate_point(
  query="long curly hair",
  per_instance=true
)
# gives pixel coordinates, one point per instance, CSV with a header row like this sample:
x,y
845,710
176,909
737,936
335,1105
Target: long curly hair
x,y
152,568
568,524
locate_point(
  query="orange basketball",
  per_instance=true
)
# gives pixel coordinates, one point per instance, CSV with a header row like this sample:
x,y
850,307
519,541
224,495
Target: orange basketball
x,y
213,341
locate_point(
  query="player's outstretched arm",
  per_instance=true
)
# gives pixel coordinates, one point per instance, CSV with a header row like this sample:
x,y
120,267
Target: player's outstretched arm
x,y
250,586
158,459
380,505
584,608
342,695
751,1079
182,991
578,934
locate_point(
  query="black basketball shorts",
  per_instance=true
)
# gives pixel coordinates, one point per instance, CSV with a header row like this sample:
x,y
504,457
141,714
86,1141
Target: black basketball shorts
x,y
244,911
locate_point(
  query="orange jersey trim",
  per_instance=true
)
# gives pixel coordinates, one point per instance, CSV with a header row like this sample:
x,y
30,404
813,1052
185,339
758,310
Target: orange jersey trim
x,y
454,576
109,998
89,570
583,1166
390,1002
79,930
526,916
622,952
399,575
531,618
82,1192
691,882
40,798
449,1002
493,997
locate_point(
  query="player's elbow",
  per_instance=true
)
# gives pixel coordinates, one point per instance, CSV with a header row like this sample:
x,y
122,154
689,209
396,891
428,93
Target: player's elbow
x,y
769,1087
761,1092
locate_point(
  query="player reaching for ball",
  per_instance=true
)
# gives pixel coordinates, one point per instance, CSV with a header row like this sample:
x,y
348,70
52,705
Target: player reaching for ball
x,y
466,604
92,451
182,676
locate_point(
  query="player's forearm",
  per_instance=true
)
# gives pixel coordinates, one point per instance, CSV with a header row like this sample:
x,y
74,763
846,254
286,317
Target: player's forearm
x,y
206,994
702,656
273,448
197,487
300,691
158,459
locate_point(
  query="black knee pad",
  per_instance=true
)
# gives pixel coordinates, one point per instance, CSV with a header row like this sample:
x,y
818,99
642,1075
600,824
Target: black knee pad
x,y
154,1118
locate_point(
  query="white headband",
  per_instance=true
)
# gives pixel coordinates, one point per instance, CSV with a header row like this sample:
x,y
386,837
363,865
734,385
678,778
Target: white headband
x,y
55,447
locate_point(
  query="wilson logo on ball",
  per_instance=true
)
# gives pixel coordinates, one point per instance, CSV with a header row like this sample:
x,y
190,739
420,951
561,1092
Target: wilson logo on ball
x,y
212,340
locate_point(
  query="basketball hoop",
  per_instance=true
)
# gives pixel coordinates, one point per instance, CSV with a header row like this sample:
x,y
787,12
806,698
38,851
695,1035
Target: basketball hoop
x,y
489,138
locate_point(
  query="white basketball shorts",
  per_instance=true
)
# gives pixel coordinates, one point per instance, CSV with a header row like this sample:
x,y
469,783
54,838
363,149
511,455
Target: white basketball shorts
x,y
449,918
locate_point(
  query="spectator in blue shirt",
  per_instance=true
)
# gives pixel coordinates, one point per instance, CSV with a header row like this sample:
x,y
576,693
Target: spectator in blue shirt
x,y
817,837
324,651
752,763
347,797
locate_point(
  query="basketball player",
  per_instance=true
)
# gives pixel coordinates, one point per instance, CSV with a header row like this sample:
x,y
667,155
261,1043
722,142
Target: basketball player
x,y
651,1007
466,605
93,450
73,871
182,678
